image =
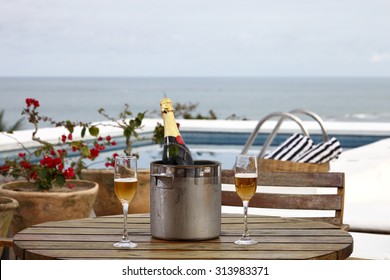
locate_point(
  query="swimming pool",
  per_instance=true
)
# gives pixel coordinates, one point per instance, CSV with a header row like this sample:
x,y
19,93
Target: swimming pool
x,y
222,146
225,154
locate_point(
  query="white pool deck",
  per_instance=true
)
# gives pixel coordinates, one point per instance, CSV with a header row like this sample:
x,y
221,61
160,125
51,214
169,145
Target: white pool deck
x,y
367,172
367,198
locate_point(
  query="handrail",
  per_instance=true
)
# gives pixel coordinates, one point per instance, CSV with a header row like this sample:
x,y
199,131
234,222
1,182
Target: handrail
x,y
254,133
272,135
315,117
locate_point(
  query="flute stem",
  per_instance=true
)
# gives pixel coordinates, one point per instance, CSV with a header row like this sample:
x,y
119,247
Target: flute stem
x,y
125,237
245,205
245,239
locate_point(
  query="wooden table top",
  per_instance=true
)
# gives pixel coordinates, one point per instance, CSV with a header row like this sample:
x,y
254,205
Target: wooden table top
x,y
92,238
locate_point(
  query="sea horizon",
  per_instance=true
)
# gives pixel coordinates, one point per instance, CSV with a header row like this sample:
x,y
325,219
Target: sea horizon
x,y
79,98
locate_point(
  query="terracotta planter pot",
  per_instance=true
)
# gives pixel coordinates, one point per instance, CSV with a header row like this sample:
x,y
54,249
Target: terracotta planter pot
x,y
107,203
7,209
57,204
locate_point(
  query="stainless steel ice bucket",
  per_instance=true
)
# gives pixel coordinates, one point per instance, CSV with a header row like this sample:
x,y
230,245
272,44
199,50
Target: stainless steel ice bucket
x,y
185,201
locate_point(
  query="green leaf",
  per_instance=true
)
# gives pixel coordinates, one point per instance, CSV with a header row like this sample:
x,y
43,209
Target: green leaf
x,y
43,173
127,132
138,121
60,179
85,151
38,153
69,126
141,116
83,131
94,131
158,134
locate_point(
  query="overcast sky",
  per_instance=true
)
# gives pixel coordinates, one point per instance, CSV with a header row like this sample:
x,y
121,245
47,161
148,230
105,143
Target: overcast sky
x,y
194,38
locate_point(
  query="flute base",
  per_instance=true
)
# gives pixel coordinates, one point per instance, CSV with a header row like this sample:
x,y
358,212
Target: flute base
x,y
245,241
125,244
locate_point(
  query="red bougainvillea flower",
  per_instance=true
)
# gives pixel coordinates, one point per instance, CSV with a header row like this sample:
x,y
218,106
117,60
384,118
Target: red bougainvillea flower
x,y
69,173
99,147
4,168
62,153
25,164
22,155
110,161
113,143
47,161
70,136
71,186
57,161
50,162
94,153
33,175
32,102
63,138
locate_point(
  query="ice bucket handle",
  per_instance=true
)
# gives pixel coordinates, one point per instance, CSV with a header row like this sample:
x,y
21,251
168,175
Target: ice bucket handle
x,y
163,180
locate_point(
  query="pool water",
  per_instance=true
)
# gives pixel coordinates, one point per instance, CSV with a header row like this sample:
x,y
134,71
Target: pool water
x,y
225,154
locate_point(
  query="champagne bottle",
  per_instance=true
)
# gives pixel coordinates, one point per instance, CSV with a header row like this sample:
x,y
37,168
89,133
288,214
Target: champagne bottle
x,y
175,151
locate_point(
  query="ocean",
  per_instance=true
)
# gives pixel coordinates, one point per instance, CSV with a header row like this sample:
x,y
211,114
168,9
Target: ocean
x,y
78,99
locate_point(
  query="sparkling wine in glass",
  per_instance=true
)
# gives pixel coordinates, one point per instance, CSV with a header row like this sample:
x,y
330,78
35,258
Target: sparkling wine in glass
x,y
125,186
245,172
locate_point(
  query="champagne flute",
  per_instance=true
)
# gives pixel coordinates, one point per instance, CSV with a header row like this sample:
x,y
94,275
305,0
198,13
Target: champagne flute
x,y
245,172
125,186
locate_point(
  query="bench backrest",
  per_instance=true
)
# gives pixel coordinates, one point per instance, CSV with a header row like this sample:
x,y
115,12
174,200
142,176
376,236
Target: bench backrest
x,y
320,200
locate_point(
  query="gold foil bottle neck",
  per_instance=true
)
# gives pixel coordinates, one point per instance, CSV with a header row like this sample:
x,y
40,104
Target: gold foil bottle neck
x,y
166,105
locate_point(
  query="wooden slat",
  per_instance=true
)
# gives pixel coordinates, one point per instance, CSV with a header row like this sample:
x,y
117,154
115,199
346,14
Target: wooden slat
x,y
297,179
189,255
296,201
286,201
190,246
328,179
236,230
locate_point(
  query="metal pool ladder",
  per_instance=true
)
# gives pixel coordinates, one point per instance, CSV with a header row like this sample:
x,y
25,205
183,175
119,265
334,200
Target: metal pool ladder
x,y
282,116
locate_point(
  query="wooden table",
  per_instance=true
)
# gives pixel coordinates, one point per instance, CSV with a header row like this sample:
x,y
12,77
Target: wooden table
x,y
278,238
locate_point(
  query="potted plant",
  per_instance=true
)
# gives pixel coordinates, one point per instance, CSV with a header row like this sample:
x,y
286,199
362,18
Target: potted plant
x,y
106,202
45,180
